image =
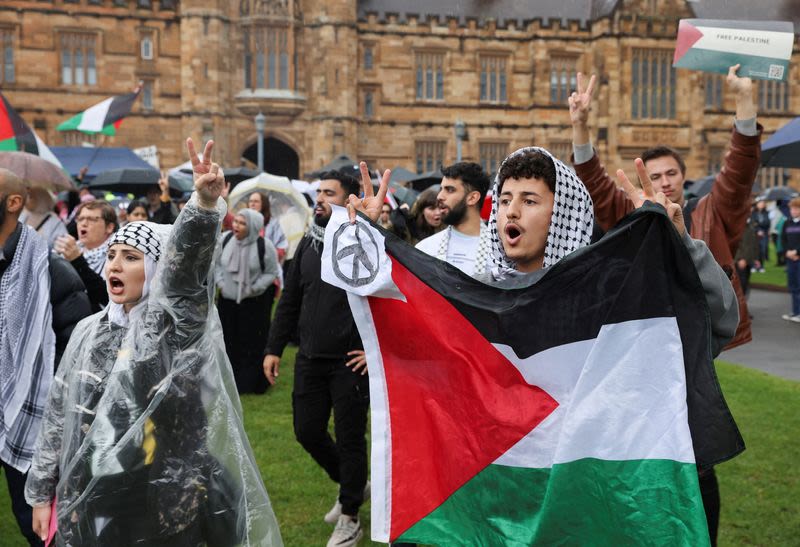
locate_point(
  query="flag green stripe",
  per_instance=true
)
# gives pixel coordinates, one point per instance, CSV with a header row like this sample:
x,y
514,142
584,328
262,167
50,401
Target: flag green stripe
x,y
71,124
586,502
8,144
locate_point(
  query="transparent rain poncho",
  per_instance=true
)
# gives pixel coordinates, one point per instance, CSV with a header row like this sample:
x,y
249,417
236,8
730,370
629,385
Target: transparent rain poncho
x,y
142,442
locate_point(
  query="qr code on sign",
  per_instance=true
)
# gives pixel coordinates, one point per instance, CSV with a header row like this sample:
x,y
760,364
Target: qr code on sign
x,y
776,72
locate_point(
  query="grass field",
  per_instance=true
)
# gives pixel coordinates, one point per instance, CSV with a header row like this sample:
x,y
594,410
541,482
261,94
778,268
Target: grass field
x,y
760,488
773,274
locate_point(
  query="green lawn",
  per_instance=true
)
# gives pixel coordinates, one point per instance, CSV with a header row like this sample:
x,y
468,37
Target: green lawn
x,y
773,274
760,488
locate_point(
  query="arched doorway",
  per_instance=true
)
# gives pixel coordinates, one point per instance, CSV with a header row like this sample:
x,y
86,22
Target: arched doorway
x,y
279,158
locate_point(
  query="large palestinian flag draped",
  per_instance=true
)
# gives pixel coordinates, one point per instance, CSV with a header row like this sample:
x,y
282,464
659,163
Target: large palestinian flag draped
x,y
16,135
575,411
104,117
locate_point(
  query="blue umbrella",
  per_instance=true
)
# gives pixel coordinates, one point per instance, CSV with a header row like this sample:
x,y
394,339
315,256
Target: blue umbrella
x,y
783,148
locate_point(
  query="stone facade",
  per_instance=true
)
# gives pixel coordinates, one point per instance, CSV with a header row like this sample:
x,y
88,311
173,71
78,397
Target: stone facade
x,y
333,78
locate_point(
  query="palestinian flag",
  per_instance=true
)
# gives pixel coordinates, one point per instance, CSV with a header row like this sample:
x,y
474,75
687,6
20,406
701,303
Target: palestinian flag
x,y
16,135
575,411
104,117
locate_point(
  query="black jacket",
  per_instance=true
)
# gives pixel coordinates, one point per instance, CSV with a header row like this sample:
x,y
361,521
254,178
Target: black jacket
x,y
94,283
317,311
67,293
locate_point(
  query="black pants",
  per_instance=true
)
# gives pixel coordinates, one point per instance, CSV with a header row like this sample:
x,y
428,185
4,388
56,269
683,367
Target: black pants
x,y
22,511
744,278
245,327
322,385
709,490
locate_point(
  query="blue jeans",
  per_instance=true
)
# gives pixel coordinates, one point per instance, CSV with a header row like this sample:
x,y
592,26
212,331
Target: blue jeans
x,y
793,279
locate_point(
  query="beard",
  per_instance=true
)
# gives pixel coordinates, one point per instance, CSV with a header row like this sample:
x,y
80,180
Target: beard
x,y
456,214
322,220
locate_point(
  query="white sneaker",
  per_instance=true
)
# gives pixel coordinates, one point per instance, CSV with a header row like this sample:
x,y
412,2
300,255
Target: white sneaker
x,y
789,317
795,318
347,532
332,516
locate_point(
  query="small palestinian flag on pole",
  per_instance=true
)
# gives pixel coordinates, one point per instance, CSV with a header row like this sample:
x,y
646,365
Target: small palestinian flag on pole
x,y
104,117
575,411
16,135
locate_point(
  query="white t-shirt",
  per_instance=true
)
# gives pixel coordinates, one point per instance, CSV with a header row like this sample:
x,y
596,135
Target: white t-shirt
x,y
461,249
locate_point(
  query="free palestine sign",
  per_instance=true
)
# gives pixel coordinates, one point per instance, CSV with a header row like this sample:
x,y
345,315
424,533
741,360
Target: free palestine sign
x,y
763,48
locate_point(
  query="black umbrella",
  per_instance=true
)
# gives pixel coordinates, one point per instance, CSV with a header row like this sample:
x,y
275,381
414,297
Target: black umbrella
x,y
778,193
138,181
783,148
342,163
426,180
701,187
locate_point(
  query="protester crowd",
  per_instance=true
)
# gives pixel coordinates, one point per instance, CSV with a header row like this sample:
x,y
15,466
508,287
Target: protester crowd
x,y
132,291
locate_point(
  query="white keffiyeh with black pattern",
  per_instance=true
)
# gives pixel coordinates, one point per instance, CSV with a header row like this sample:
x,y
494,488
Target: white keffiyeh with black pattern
x,y
570,226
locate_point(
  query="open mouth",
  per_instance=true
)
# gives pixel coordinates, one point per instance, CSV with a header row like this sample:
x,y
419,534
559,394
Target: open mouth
x,y
513,234
115,285
82,233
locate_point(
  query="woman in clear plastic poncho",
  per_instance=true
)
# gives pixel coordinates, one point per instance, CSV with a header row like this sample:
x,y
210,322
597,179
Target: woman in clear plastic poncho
x,y
142,442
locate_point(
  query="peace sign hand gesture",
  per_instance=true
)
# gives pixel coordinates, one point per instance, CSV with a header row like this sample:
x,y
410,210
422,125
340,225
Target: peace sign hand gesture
x,y
638,197
371,204
580,102
209,181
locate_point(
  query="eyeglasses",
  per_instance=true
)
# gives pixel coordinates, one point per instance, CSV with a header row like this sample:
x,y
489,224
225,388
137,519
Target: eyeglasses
x,y
91,220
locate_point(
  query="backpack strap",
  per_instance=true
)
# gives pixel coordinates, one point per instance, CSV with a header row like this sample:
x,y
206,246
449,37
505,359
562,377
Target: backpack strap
x,y
227,238
262,248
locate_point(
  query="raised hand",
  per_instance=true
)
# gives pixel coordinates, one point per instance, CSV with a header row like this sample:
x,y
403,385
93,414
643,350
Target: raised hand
x,y
743,90
638,197
580,102
209,181
163,185
371,203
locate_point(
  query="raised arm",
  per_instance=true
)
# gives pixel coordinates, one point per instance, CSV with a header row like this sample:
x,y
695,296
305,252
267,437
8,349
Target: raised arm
x,y
730,194
610,203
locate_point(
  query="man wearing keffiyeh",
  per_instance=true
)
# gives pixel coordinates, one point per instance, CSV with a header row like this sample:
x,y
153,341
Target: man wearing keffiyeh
x,y
41,300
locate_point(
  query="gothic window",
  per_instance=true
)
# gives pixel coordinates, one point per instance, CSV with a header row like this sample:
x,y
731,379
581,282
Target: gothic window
x,y
430,76
652,84
430,155
78,59
563,78
769,177
714,91
369,103
491,155
494,78
773,96
267,57
147,94
146,46
7,72
716,155
369,56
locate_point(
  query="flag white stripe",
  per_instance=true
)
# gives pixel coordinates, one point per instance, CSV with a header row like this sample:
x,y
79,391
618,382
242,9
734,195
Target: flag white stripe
x,y
380,459
628,401
94,116
45,153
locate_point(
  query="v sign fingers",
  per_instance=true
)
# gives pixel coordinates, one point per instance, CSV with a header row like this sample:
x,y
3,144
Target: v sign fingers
x,y
634,194
644,179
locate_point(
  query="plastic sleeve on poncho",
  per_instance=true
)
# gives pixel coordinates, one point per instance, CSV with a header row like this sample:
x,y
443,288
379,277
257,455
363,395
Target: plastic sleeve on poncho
x,y
40,486
165,459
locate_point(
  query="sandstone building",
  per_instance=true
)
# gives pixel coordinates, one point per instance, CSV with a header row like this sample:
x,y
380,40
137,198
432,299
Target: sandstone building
x,y
381,80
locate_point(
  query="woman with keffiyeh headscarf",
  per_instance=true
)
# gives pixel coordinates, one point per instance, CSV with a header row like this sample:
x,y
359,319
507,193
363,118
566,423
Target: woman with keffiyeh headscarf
x,y
142,441
246,294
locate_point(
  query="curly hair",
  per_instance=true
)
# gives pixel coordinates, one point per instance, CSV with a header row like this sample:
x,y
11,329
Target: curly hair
x,y
529,164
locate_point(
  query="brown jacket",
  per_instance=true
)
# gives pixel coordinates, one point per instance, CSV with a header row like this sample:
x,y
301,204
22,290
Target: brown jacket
x,y
718,219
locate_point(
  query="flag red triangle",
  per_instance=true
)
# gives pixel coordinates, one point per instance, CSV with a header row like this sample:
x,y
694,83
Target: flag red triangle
x,y
455,403
688,35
